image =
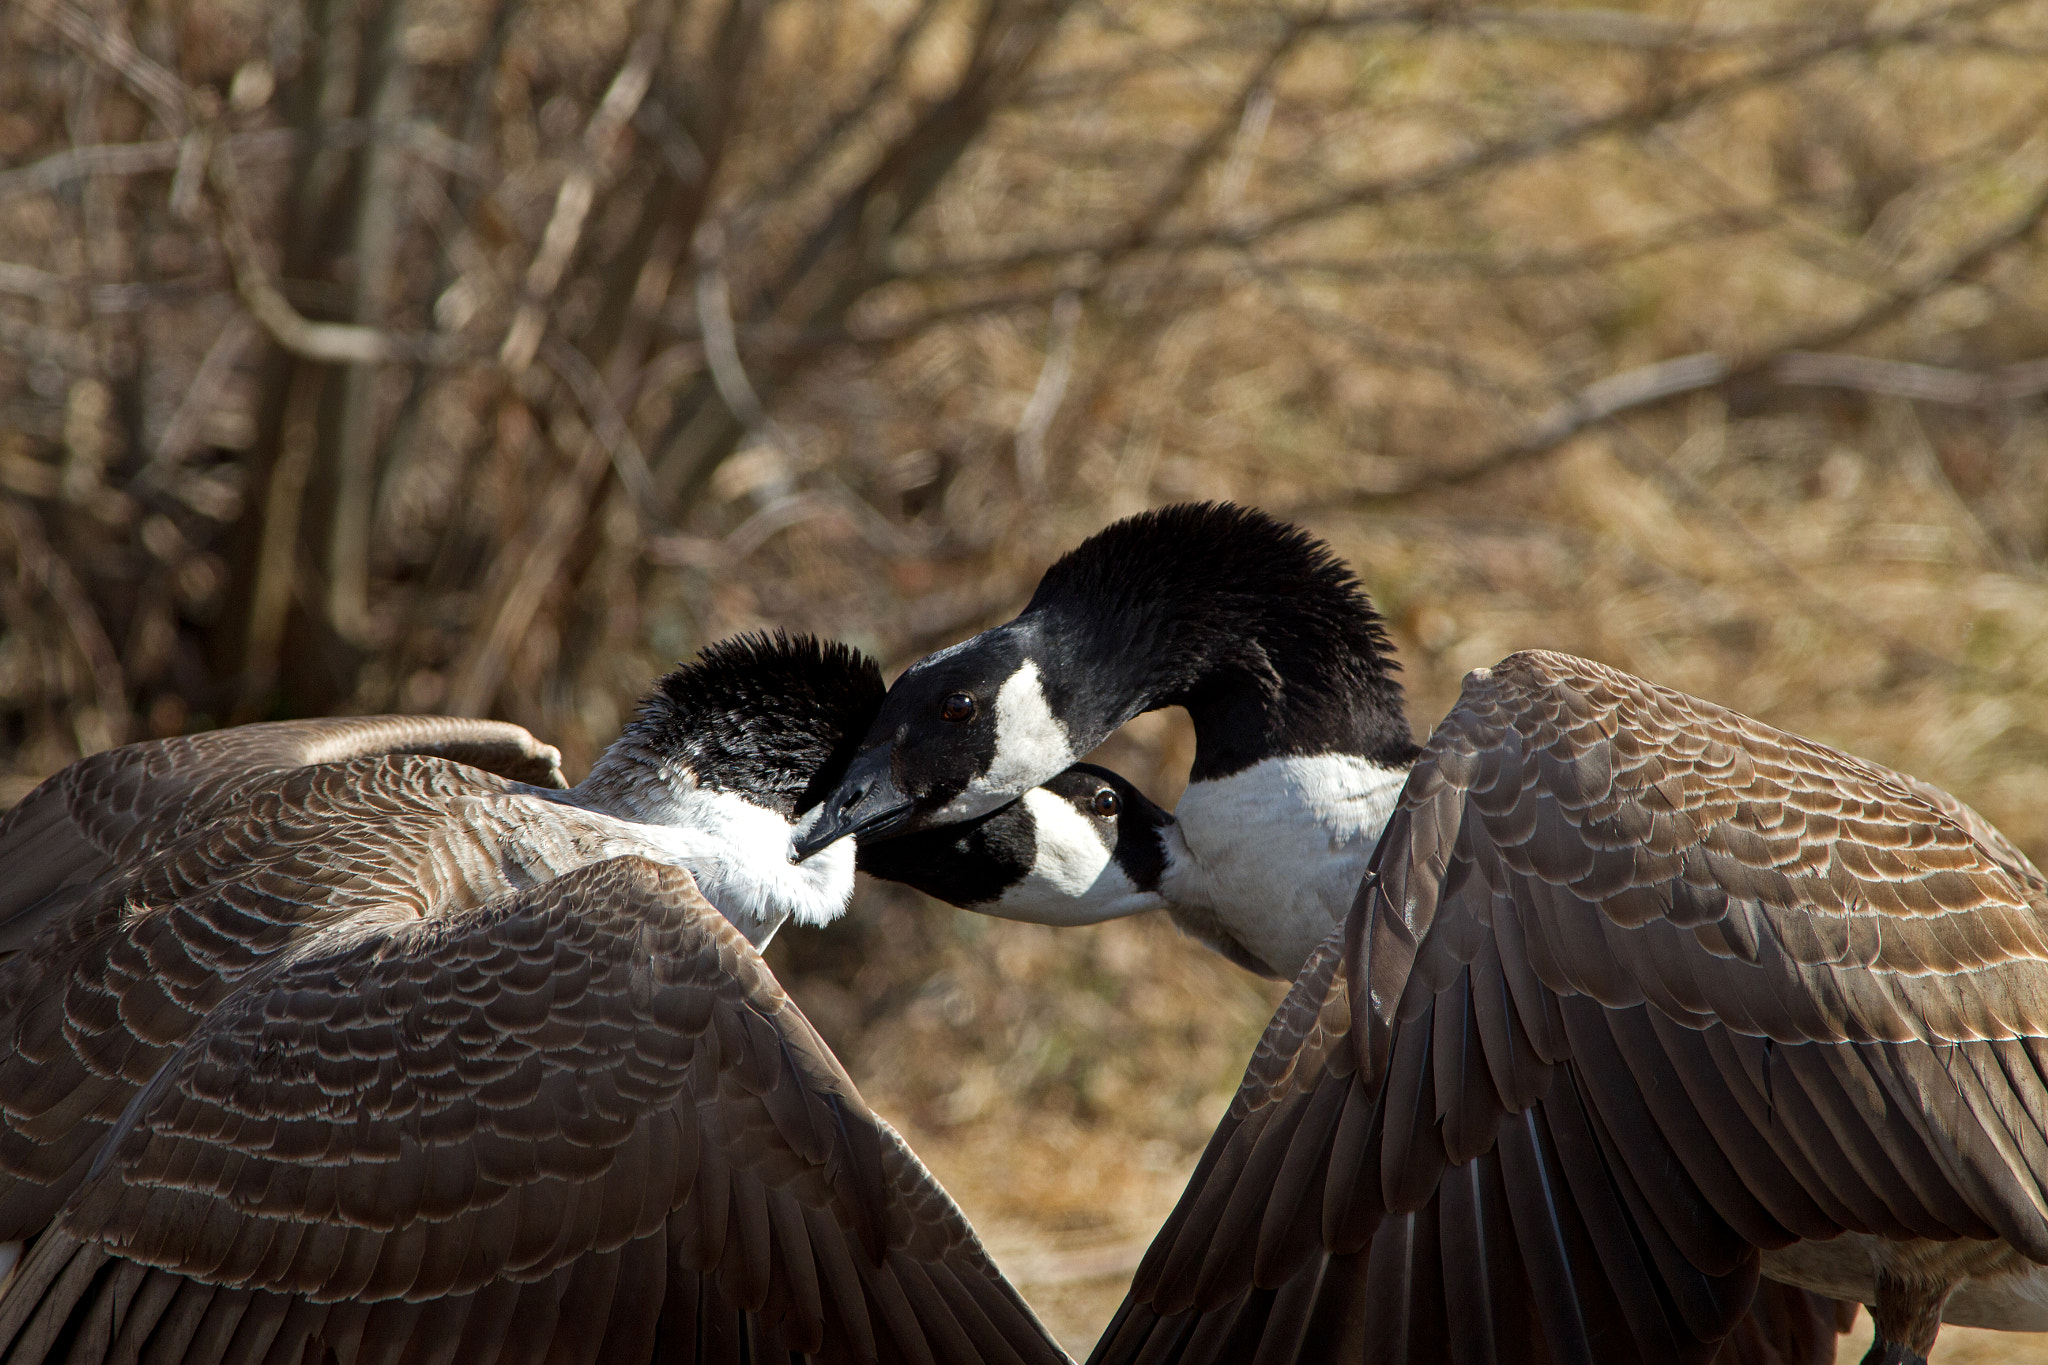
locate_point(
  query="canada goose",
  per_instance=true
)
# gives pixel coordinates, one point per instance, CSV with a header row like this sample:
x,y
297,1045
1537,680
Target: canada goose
x,y
1301,742
369,1040
1640,996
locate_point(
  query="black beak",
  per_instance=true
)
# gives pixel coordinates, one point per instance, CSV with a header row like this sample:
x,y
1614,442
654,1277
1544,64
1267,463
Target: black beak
x,y
865,804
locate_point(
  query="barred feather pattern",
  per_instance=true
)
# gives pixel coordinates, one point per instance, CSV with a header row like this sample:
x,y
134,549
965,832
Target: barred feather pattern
x,y
1640,994
355,1062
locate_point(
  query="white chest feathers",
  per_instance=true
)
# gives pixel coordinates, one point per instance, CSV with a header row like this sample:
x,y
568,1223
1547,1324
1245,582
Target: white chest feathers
x,y
739,853
1276,852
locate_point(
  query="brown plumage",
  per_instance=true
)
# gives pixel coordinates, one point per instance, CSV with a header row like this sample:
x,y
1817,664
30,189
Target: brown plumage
x,y
1642,997
319,1044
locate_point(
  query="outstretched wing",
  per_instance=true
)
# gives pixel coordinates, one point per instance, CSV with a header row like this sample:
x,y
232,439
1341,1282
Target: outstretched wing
x,y
109,810
580,1122
99,1000
1638,987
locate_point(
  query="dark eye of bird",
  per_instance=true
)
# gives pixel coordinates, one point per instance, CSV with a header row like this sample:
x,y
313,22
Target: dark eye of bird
x,y
957,708
1105,804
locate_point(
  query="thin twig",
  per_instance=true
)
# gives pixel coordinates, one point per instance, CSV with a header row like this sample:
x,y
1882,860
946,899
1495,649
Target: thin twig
x,y
332,342
529,573
1905,379
373,252
169,98
607,423
72,350
58,169
572,202
721,347
1044,403
1635,115
182,431
1801,361
42,564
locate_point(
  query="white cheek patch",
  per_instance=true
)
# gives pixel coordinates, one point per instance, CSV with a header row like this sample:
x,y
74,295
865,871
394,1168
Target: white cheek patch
x,y
1074,878
1031,747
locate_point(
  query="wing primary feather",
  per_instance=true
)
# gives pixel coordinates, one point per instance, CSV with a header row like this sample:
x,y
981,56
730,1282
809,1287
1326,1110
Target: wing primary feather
x,y
583,1307
1411,1153
259,1326
1531,1180
1469,1256
1290,1230
388,1332
295,1342
1466,1093
1708,1303
1623,1075
1226,1265
1338,1324
799,1277
1390,1290
1293,1311
1602,1217
840,1282
1353,1198
892,1311
1227,1335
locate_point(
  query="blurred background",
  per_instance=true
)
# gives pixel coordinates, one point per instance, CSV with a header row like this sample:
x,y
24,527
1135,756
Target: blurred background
x,y
487,356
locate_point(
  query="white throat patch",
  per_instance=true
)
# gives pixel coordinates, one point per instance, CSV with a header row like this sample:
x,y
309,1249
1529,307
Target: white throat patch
x,y
1031,746
1277,851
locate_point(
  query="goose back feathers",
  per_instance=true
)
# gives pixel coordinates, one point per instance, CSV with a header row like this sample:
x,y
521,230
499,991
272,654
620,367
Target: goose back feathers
x,y
121,805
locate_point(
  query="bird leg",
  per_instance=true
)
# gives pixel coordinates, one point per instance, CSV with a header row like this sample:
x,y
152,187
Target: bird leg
x,y
1907,1315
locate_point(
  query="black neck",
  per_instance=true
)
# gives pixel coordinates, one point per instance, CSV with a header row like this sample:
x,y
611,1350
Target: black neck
x,y
1252,625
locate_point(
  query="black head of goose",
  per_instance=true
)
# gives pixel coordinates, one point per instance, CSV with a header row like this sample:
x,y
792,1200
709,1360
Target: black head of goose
x,y
722,761
368,1040
1641,996
1301,740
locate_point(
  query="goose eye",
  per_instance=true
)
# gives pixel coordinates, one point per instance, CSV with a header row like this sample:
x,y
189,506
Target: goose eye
x,y
1106,804
957,708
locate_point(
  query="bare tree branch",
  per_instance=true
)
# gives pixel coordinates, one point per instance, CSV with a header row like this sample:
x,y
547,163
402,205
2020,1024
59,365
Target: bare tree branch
x,y
721,347
331,342
607,423
41,564
572,202
1634,116
167,97
182,431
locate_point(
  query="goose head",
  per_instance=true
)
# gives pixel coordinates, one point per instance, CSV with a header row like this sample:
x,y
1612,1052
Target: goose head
x,y
1251,624
1084,847
725,762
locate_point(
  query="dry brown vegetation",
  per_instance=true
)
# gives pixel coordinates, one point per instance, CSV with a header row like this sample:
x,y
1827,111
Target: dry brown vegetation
x,y
486,355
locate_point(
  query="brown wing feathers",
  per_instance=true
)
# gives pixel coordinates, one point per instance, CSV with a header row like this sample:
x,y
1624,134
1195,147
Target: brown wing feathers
x,y
107,811
585,1106
1638,987
418,1107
